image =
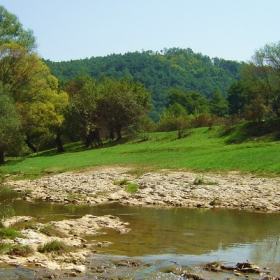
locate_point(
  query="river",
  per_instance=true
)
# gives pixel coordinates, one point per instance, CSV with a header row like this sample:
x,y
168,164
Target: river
x,y
162,238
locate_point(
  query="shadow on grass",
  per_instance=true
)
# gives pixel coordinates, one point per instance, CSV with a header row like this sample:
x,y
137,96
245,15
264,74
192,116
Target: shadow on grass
x,y
266,130
14,161
78,147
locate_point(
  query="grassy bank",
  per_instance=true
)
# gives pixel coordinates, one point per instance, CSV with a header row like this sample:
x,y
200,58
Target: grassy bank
x,y
201,150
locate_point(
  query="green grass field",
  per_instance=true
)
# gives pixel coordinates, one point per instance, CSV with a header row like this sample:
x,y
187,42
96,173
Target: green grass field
x,y
202,150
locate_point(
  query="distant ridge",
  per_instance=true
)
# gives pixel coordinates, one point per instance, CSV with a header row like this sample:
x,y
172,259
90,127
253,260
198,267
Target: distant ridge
x,y
158,71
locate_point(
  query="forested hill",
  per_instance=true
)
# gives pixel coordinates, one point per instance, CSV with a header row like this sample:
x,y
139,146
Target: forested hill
x,y
159,71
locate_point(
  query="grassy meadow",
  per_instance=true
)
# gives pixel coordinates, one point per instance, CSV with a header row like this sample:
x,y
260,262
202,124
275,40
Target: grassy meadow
x,y
201,150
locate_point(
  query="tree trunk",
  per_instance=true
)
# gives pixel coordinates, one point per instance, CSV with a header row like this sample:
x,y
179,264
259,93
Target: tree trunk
x,y
2,158
119,135
111,134
59,145
88,140
30,145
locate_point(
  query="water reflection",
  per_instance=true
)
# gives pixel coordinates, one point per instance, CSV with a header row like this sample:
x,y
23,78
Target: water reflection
x,y
196,234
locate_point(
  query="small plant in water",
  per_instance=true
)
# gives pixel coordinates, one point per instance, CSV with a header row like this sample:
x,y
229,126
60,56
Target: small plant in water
x,y
131,188
54,246
6,212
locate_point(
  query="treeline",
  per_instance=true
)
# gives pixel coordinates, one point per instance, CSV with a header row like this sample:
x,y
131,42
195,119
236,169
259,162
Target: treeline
x,y
158,71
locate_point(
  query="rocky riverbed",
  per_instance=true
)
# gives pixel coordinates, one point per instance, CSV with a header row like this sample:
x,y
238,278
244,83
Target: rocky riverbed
x,y
164,188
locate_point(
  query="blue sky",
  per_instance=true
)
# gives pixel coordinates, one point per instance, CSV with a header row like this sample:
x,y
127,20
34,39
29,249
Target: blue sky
x,y
76,29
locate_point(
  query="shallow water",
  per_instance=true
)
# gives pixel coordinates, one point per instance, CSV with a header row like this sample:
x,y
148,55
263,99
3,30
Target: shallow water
x,y
174,236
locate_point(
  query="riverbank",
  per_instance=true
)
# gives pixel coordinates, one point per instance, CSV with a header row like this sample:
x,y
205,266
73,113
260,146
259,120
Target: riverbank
x,y
163,189
108,185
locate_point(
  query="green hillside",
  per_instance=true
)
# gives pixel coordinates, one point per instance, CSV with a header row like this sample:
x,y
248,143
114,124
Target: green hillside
x,y
158,71
201,150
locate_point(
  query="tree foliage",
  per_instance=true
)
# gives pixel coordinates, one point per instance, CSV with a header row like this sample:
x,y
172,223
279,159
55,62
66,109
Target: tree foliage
x,y
11,30
218,105
122,104
10,136
81,113
261,77
174,117
34,91
111,105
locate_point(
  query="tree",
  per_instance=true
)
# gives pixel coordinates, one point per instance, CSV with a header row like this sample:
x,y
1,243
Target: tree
x,y
193,102
177,96
262,78
197,104
218,105
236,98
122,103
81,114
34,91
11,30
174,117
10,136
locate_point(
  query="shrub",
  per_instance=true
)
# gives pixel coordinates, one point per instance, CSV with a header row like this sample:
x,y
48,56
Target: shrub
x,y
7,212
131,188
21,251
199,180
15,250
54,246
51,231
9,233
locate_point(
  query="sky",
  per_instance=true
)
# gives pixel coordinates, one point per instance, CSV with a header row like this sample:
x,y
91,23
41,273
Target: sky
x,y
77,29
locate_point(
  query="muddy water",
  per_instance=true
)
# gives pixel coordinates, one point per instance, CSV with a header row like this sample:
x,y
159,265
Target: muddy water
x,y
161,238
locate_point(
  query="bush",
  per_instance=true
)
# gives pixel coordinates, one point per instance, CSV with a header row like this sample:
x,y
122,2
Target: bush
x,y
21,251
9,233
15,250
51,231
131,188
54,246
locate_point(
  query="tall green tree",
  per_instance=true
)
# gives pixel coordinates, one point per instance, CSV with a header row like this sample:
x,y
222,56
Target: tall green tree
x,y
83,122
218,104
11,31
236,97
34,91
193,102
10,136
122,104
262,78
